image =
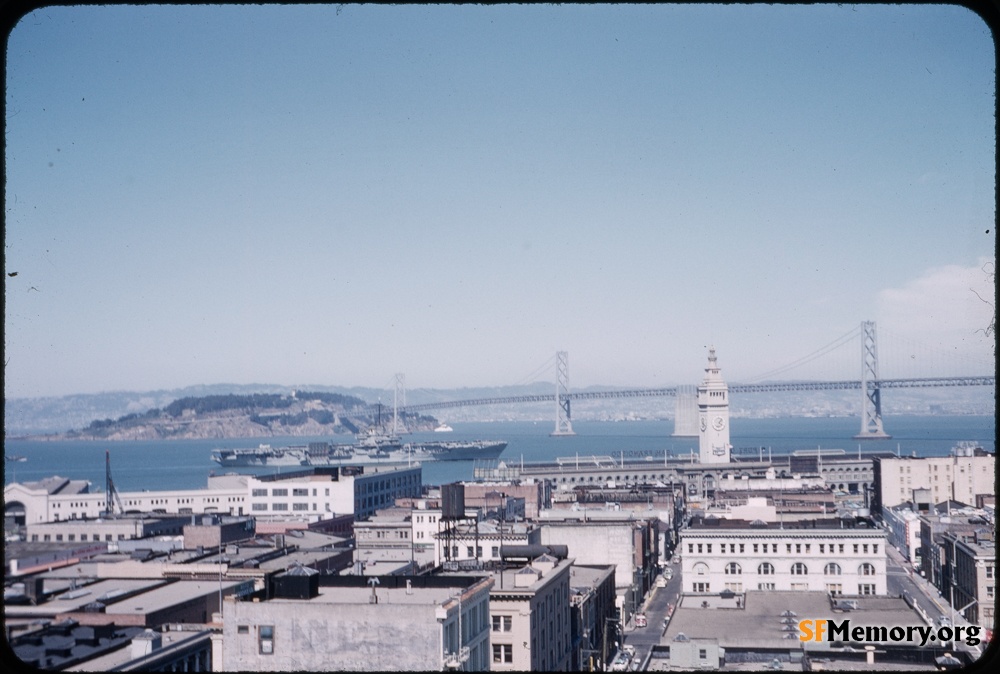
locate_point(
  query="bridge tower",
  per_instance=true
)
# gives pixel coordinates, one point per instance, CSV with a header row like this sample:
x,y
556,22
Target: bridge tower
x,y
400,388
564,424
871,400
686,412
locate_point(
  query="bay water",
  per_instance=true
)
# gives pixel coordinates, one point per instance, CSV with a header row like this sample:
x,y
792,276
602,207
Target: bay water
x,y
186,464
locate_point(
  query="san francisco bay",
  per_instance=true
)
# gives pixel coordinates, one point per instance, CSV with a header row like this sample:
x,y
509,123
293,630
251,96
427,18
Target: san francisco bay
x,y
186,464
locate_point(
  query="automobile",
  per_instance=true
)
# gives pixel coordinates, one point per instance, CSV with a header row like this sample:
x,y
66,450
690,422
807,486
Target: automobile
x,y
944,621
661,581
640,619
620,663
669,573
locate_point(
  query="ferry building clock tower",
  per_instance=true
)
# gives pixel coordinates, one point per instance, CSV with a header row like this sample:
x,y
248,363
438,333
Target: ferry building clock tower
x,y
713,415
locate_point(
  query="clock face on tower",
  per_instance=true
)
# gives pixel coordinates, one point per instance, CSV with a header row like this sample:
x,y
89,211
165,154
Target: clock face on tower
x,y
718,423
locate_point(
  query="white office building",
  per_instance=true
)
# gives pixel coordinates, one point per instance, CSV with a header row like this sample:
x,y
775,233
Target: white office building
x,y
836,556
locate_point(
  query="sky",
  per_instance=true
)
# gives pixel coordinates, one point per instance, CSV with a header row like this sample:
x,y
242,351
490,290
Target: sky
x,y
333,195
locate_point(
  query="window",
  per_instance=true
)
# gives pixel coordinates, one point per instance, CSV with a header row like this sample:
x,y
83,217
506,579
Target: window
x,y
700,569
259,506
765,586
733,569
469,551
765,569
832,569
280,506
300,506
866,588
866,569
265,638
701,587
259,492
279,492
799,569
503,653
703,653
501,623
835,589
300,492
243,629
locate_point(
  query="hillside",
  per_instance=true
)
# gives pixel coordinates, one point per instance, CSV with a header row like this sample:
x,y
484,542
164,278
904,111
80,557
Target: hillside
x,y
256,415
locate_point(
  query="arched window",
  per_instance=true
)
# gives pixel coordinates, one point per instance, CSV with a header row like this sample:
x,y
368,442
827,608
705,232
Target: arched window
x,y
700,569
799,569
832,569
733,569
765,569
866,569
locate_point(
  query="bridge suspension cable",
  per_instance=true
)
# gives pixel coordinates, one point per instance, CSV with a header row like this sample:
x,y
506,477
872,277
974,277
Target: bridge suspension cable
x,y
818,353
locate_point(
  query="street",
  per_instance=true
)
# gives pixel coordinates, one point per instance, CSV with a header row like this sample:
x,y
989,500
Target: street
x,y
660,601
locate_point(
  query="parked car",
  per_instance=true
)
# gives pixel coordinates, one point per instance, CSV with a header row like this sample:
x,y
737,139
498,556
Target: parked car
x,y
640,619
661,581
620,663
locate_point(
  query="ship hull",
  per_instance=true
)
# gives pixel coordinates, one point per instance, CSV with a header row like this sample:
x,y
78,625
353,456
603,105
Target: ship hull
x,y
322,454
464,451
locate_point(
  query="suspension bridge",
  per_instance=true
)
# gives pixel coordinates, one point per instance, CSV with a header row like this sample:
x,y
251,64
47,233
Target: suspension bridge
x,y
870,384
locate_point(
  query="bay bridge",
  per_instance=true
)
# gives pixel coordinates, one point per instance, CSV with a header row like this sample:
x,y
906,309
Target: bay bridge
x,y
869,384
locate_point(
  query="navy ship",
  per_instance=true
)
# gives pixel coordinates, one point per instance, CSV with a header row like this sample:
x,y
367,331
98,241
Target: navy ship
x,y
370,451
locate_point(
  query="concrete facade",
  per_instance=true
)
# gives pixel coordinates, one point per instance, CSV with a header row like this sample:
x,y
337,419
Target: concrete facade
x,y
971,561
531,628
359,625
310,494
960,477
829,556
609,537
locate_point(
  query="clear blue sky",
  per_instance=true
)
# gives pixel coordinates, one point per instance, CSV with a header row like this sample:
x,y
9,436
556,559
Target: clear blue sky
x,y
311,195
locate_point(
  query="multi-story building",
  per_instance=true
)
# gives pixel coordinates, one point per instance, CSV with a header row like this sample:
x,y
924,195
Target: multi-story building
x,y
309,622
837,556
592,614
108,530
310,494
903,525
600,536
321,492
933,526
970,561
507,496
530,623
962,476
